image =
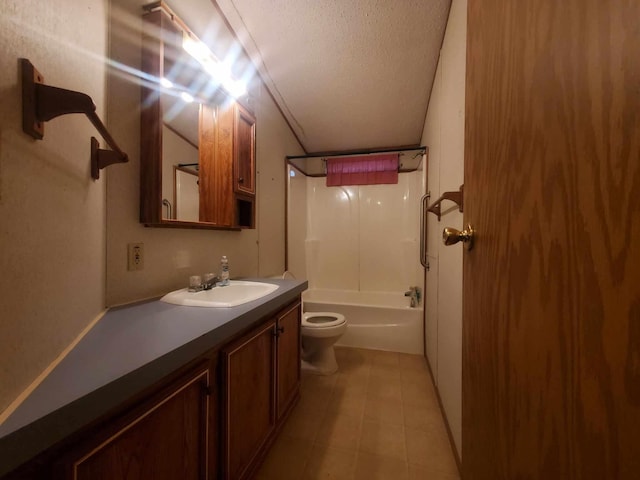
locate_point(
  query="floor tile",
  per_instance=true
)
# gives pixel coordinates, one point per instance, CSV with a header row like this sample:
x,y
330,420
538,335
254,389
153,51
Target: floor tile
x,y
418,472
349,402
380,358
355,369
339,430
422,417
321,382
351,356
315,398
419,394
383,411
330,463
413,362
385,372
362,354
377,418
351,383
286,459
385,388
417,377
384,440
428,448
375,467
302,424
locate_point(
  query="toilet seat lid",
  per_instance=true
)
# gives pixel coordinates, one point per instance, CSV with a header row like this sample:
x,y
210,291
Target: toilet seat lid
x,y
322,319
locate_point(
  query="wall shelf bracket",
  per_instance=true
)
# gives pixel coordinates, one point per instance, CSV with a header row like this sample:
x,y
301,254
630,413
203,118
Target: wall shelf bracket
x,y
455,197
41,103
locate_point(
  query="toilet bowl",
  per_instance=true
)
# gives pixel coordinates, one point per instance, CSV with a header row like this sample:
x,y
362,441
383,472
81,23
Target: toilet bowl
x,y
320,330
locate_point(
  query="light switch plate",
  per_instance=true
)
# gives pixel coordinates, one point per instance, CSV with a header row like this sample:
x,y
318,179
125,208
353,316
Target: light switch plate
x,y
135,256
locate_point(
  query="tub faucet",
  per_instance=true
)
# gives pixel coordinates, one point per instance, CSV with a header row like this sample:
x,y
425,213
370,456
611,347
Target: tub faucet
x,y
415,293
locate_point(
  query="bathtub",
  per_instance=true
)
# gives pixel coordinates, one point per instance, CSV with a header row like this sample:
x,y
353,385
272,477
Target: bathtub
x,y
375,320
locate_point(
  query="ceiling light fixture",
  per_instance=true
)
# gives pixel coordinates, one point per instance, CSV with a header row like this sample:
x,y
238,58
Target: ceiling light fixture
x,y
166,83
216,69
187,97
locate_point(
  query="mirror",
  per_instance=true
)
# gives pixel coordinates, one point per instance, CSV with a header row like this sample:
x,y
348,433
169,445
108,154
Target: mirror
x,y
189,142
180,160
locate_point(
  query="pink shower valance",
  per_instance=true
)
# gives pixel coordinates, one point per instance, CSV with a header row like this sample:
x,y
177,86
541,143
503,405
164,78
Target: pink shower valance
x,y
362,170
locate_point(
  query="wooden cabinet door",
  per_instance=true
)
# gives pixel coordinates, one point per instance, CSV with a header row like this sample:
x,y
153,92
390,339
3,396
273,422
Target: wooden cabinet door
x,y
288,373
551,335
164,440
244,154
249,404
216,162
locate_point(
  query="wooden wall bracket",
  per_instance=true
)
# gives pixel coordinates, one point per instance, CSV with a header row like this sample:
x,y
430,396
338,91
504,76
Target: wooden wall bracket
x,y
455,197
41,103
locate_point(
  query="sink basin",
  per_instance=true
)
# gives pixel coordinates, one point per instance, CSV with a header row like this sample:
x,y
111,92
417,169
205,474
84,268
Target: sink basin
x,y
236,293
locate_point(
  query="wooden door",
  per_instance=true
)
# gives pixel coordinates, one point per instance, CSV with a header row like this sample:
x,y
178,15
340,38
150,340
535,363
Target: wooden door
x,y
216,165
249,406
288,365
551,337
165,439
209,173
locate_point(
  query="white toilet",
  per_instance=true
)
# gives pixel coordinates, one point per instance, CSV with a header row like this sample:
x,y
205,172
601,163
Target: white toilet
x,y
320,330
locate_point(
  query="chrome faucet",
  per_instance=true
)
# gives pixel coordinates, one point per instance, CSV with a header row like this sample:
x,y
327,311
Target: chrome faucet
x,y
415,293
210,281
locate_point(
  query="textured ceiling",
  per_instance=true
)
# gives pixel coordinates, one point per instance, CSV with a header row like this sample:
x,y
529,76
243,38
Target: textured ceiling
x,y
347,74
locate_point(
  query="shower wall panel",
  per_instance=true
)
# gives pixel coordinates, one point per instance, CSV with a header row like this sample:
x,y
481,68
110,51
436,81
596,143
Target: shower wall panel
x,y
364,237
296,222
332,236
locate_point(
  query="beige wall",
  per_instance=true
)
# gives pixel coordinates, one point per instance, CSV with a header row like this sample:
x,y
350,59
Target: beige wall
x,y
57,225
52,215
171,255
274,142
444,134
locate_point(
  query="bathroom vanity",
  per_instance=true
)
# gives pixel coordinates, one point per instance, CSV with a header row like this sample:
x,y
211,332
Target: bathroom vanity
x,y
164,392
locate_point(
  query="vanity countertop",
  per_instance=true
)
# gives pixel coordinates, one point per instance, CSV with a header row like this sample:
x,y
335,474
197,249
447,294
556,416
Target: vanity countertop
x,y
130,349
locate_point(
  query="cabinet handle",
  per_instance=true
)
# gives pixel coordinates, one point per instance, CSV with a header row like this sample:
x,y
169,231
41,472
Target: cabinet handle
x,y
278,331
240,180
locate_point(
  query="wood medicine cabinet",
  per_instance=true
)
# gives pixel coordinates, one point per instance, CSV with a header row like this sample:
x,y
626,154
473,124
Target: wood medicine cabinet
x,y
198,157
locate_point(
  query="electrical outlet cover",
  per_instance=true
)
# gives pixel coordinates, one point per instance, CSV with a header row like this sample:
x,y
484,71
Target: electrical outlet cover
x,y
135,256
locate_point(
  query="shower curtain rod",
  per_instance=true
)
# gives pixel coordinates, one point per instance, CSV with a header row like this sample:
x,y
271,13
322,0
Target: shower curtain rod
x,y
356,152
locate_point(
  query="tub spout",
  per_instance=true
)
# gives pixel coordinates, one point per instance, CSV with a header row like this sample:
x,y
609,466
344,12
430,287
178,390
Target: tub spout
x,y
414,293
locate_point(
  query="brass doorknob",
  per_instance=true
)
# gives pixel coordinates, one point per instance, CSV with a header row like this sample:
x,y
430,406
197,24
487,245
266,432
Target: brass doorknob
x,y
451,236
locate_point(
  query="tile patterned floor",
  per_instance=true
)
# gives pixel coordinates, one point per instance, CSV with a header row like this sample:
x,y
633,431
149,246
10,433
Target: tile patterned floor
x,y
376,419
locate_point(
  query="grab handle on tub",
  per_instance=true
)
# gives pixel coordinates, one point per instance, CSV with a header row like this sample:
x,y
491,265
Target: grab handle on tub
x,y
423,229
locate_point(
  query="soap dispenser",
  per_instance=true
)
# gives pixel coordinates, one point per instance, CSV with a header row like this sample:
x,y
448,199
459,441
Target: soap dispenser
x,y
224,271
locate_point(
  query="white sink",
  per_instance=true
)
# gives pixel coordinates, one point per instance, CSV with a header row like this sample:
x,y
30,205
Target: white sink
x,y
236,293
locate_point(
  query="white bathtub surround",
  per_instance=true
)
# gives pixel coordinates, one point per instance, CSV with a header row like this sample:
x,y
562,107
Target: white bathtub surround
x,y
363,238
358,246
376,320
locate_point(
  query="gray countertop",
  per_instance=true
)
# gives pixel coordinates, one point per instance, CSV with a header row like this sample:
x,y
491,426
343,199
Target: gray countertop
x,y
130,349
